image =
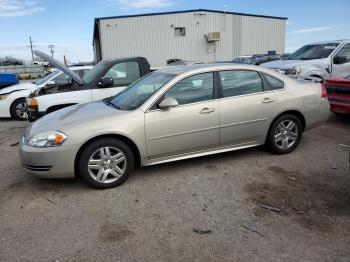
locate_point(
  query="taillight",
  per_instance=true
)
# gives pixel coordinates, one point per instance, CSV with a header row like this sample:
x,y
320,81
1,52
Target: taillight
x,y
324,91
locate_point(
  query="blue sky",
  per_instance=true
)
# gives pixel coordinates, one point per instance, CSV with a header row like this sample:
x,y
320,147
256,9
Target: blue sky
x,y
69,23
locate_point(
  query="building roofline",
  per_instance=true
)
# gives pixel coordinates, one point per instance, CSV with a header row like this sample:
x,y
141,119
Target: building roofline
x,y
189,11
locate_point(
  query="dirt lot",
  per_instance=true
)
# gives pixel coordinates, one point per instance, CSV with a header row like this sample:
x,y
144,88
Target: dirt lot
x,y
151,217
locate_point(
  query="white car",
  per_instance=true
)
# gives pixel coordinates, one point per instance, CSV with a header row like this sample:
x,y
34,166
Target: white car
x,y
13,98
316,61
105,79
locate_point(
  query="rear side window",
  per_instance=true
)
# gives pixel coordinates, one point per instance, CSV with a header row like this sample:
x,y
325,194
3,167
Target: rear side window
x,y
124,73
240,82
274,83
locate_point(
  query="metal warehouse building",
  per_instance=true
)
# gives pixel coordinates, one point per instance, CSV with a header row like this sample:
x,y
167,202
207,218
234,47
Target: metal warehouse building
x,y
194,35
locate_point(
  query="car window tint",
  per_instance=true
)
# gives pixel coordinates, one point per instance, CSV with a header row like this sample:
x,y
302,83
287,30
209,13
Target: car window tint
x,y
345,51
61,79
124,73
193,89
82,72
240,82
274,83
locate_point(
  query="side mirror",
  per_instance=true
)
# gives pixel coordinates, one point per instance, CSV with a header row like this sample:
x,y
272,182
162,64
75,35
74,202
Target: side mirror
x,y
338,60
168,103
50,83
105,82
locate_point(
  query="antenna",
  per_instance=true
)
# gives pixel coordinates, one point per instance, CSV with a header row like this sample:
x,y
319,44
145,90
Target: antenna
x,y
52,50
31,47
225,8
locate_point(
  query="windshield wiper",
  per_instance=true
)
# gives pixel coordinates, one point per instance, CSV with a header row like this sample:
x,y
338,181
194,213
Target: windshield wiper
x,y
108,102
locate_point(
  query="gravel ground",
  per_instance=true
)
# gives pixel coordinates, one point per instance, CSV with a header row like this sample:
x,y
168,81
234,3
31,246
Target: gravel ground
x,y
152,216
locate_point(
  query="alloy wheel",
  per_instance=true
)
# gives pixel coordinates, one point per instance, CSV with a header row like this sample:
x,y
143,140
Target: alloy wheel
x,y
22,110
286,134
107,164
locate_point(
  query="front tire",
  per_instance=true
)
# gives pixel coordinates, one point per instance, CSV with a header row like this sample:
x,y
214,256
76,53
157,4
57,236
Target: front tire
x,y
284,134
18,109
106,163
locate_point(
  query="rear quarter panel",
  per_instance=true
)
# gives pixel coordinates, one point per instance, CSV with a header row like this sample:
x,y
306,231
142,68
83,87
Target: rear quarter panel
x,y
304,97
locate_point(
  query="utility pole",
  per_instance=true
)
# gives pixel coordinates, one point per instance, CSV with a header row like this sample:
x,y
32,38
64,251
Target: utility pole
x,y
31,47
51,47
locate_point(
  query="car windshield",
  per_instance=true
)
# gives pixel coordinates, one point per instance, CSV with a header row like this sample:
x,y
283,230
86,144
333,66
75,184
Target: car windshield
x,y
245,60
91,75
46,78
309,52
137,93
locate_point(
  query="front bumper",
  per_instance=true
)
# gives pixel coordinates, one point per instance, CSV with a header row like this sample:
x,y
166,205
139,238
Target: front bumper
x,y
5,108
53,162
34,115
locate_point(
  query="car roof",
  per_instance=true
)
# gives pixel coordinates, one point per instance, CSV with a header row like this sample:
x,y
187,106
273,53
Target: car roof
x,y
331,42
202,67
80,67
118,59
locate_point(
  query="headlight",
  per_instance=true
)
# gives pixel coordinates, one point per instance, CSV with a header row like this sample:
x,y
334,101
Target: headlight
x,y
32,102
2,97
47,139
297,71
293,71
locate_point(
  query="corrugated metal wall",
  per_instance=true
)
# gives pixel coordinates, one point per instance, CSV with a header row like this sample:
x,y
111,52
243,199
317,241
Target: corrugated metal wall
x,y
153,36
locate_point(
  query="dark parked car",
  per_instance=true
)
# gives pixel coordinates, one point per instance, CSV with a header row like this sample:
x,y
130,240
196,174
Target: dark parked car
x,y
255,59
7,79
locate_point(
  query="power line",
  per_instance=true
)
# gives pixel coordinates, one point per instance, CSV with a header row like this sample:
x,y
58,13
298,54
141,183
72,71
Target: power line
x,y
51,47
31,47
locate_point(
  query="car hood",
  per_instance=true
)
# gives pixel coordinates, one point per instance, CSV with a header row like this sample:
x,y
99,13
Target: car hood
x,y
59,66
18,87
75,117
285,64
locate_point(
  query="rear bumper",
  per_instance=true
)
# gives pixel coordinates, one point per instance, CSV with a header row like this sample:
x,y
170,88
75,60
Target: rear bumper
x,y
340,105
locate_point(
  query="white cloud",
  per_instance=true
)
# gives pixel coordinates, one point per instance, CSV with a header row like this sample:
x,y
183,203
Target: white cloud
x,y
311,30
13,8
140,4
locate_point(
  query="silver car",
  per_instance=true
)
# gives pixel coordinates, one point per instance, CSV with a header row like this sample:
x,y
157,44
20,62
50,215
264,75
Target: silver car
x,y
172,114
320,61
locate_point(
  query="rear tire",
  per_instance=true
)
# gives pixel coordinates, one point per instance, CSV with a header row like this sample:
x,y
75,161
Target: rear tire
x,y
284,134
18,110
106,163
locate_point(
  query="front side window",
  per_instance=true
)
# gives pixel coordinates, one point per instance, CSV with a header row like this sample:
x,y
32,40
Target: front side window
x,y
124,73
82,72
274,83
240,82
345,51
62,79
91,76
193,89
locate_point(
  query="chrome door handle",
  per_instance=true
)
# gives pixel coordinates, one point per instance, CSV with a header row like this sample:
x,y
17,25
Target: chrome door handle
x,y
206,110
267,100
